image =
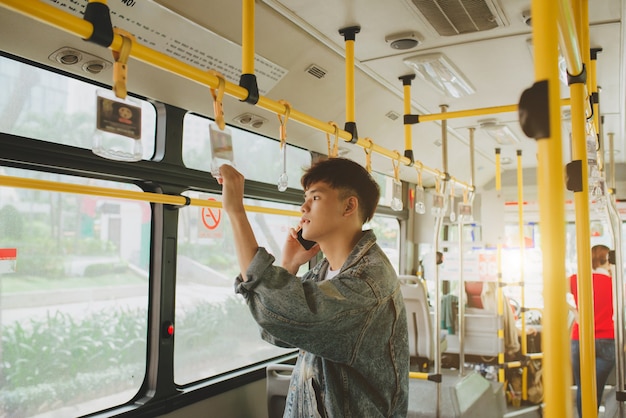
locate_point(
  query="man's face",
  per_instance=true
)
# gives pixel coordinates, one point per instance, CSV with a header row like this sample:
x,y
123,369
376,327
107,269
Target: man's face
x,y
322,211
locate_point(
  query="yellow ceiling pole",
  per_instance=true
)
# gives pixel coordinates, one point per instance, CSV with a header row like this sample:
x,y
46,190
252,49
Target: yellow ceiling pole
x,y
247,37
580,168
408,127
581,15
539,113
349,35
247,79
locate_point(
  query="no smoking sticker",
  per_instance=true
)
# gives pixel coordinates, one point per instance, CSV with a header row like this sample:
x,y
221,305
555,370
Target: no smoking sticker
x,y
211,217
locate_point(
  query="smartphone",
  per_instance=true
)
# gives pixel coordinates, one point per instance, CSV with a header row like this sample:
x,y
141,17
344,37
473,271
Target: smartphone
x,y
305,242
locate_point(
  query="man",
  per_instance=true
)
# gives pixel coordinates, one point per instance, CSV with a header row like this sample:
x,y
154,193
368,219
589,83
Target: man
x,y
346,315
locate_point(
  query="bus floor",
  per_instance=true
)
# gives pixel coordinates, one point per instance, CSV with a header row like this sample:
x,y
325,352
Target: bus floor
x,y
465,396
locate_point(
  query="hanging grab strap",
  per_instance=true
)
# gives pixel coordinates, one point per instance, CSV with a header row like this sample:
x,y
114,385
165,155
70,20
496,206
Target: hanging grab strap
x,y
283,122
368,154
335,150
396,166
218,96
120,67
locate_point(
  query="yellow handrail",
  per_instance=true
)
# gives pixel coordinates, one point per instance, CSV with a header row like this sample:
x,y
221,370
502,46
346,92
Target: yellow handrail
x,y
476,112
55,186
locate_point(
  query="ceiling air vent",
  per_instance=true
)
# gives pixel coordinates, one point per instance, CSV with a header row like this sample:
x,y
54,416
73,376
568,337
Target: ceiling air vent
x,y
316,71
392,115
457,17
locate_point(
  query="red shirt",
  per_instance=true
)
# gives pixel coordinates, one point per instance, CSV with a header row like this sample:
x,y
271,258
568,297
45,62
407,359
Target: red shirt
x,y
602,306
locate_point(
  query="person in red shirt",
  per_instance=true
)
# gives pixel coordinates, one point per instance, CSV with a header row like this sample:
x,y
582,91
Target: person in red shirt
x,y
604,329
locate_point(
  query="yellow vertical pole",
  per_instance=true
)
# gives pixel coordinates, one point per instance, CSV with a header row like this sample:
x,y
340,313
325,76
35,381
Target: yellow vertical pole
x,y
408,127
522,257
248,78
247,37
350,113
550,178
583,232
407,110
350,37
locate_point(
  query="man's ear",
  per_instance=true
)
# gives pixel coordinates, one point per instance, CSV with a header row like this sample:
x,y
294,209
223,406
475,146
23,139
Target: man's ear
x,y
352,205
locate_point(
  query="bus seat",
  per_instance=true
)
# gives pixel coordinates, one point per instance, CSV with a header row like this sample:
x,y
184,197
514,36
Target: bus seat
x,y
421,344
278,377
481,326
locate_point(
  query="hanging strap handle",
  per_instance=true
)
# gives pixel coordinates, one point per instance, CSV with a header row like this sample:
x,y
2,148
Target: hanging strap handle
x,y
335,150
368,154
218,96
396,166
283,122
120,67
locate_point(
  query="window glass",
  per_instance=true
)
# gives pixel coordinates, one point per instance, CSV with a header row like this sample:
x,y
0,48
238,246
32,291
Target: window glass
x,y
215,332
50,107
256,157
74,297
387,232
386,188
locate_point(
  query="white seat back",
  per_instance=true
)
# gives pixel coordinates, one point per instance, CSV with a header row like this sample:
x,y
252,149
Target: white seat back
x,y
418,316
278,377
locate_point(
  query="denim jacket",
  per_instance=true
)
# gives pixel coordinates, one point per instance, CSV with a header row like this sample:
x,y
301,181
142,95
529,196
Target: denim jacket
x,y
351,331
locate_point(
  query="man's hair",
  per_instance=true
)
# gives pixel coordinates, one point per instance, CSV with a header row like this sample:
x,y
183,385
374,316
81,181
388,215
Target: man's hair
x,y
350,178
599,256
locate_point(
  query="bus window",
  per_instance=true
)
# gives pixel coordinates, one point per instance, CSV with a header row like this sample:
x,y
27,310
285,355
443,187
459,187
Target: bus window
x,y
247,147
387,232
215,332
74,298
50,107
386,188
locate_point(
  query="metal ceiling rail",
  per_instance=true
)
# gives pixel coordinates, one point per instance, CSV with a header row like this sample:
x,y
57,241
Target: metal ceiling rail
x,y
84,29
